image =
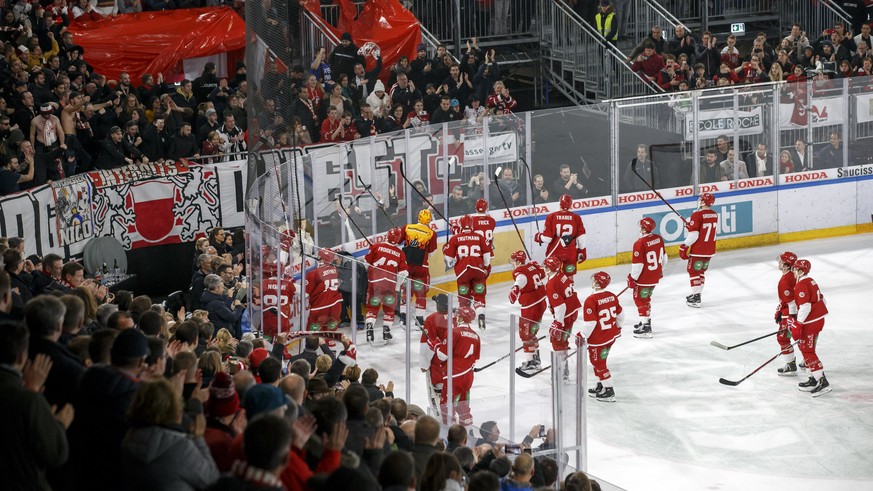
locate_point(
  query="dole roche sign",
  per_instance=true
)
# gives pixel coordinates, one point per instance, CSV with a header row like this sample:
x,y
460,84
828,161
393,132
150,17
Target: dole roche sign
x,y
733,219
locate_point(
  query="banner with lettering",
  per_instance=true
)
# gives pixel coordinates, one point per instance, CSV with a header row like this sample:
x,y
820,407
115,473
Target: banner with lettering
x,y
711,124
140,205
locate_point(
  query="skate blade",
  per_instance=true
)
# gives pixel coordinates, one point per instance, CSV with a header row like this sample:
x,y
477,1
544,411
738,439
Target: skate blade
x,y
822,392
806,389
606,399
694,305
643,335
787,374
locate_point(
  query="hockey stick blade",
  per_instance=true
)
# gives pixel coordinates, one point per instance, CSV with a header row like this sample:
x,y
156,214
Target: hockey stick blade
x,y
479,369
729,382
529,375
721,346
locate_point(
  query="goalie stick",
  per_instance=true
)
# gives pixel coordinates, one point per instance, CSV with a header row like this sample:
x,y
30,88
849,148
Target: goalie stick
x,y
733,383
541,370
479,369
719,345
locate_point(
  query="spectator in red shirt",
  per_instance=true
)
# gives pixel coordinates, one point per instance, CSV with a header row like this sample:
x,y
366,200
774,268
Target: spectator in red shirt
x,y
649,63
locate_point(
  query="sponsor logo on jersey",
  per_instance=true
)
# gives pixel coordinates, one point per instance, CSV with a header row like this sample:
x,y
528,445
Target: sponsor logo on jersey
x,y
636,253
733,219
588,311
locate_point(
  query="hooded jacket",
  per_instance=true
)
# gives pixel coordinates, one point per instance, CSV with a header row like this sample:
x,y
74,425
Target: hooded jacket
x,y
155,457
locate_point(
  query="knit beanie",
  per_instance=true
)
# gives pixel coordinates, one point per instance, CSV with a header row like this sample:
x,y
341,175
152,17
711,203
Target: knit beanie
x,y
223,399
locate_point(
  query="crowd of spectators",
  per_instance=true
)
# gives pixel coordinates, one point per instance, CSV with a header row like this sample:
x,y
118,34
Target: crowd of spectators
x,y
58,117
685,62
337,98
113,391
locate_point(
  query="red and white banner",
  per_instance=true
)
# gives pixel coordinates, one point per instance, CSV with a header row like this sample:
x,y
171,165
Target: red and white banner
x,y
824,111
140,205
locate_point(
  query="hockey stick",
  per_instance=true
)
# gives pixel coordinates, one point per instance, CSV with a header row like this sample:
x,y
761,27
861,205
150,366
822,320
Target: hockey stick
x,y
479,369
738,382
506,205
719,345
531,185
541,370
367,189
423,197
650,186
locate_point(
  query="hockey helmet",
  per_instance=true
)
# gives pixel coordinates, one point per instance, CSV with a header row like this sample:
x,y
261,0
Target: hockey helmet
x,y
519,257
788,258
707,199
647,225
601,279
465,315
566,201
481,205
395,235
466,222
327,256
552,263
425,216
802,265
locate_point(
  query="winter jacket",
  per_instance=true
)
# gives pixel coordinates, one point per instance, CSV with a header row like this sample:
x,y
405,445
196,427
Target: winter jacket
x,y
33,440
67,370
155,457
220,313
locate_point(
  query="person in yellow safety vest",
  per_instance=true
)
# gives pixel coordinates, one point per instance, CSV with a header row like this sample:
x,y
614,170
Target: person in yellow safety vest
x,y
606,22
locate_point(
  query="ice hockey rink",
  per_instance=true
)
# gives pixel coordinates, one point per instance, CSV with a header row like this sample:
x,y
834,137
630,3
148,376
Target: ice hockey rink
x,y
673,425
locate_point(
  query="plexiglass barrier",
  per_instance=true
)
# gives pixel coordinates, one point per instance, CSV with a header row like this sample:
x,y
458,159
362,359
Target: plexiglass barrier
x,y
346,197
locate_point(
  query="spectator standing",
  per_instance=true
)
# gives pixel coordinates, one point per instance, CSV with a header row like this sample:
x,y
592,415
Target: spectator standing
x,y
267,443
111,151
224,311
344,57
706,53
568,183
606,20
832,155
233,136
10,176
758,162
205,83
649,62
47,137
155,140
183,144
365,81
35,434
209,126
44,317
682,42
630,183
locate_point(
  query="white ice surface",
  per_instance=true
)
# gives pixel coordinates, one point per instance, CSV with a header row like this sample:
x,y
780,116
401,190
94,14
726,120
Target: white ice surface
x,y
673,426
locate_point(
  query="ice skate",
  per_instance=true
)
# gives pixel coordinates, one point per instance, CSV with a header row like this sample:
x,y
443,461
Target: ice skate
x,y
809,385
592,392
693,300
789,370
482,322
370,336
802,365
606,395
643,329
822,387
530,367
386,334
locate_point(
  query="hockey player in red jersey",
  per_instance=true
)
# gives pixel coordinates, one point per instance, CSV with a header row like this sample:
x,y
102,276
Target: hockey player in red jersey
x,y
420,241
434,332
564,235
277,296
647,268
483,223
785,311
386,272
465,353
564,305
529,291
811,312
322,290
470,256
602,318
699,246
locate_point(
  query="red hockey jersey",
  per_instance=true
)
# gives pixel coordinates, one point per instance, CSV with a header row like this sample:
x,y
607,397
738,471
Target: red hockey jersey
x,y
810,302
278,303
386,260
467,250
465,351
564,233
649,259
563,301
322,287
484,226
785,290
702,227
602,315
531,282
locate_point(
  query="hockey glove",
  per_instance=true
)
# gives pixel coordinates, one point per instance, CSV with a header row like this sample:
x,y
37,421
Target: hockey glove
x,y
513,294
796,328
683,252
557,331
778,316
581,255
538,238
631,282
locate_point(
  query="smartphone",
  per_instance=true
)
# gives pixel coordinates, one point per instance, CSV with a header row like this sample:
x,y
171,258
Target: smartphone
x,y
542,432
512,449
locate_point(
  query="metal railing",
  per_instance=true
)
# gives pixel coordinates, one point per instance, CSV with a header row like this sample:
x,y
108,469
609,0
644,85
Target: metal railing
x,y
451,21
819,16
315,35
644,15
581,63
